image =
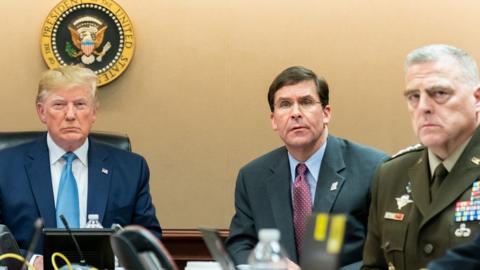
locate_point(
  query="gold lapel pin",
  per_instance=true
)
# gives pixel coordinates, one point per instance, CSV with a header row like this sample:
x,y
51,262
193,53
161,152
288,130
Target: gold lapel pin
x,y
476,160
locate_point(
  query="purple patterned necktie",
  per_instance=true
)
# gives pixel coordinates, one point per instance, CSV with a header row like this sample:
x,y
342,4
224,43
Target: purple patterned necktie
x,y
302,204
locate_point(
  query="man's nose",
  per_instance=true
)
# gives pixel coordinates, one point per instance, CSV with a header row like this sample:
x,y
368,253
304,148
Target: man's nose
x,y
71,112
296,110
425,103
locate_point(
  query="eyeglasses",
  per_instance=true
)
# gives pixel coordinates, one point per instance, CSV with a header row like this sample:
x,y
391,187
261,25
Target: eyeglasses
x,y
306,104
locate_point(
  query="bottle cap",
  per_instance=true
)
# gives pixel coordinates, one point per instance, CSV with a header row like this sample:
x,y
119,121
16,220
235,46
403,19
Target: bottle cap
x,y
93,216
269,235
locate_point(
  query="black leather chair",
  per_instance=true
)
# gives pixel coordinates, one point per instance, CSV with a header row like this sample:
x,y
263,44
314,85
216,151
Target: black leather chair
x,y
138,249
13,138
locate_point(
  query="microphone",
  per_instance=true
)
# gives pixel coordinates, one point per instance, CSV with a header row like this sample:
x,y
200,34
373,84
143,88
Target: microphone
x,y
65,223
38,224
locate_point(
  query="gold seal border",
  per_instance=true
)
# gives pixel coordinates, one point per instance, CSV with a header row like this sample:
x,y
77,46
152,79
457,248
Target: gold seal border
x,y
125,57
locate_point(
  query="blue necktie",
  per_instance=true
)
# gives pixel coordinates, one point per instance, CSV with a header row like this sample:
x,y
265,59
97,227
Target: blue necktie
x,y
67,197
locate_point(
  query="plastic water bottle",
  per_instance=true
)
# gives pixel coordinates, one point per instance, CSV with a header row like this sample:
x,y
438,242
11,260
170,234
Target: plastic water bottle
x,y
93,222
268,254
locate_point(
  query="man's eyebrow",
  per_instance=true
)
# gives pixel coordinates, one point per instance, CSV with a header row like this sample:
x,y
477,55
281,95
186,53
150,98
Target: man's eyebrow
x,y
302,97
410,91
439,87
281,99
429,89
57,98
307,97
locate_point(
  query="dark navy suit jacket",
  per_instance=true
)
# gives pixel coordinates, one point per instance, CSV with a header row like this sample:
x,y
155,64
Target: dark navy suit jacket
x,y
263,197
118,189
466,257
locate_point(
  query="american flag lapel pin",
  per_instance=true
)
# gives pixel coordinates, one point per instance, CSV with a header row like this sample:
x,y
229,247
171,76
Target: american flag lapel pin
x,y
334,186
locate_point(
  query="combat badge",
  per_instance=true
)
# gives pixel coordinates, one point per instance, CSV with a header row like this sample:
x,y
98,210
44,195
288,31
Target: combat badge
x,y
403,200
97,34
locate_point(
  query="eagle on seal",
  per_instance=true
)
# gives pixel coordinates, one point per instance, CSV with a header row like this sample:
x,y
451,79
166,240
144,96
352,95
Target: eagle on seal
x,y
87,35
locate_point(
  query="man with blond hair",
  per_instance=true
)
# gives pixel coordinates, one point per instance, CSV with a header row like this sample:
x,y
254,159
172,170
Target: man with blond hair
x,y
67,173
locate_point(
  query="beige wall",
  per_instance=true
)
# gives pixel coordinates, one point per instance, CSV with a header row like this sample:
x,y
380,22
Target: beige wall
x,y
194,98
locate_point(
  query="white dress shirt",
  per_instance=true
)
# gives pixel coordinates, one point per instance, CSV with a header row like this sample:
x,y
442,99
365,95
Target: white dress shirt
x,y
79,169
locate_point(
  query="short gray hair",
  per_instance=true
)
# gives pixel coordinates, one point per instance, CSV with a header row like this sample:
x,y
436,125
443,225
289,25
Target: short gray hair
x,y
66,76
435,52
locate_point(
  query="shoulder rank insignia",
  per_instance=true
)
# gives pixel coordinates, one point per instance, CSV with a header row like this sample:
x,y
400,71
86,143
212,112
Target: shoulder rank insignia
x,y
408,149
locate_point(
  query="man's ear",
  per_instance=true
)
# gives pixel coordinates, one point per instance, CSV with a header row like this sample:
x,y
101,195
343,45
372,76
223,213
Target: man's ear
x,y
41,112
327,114
476,94
95,109
274,123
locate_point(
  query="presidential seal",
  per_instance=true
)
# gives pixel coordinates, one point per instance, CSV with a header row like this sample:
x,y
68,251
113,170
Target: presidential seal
x,y
95,33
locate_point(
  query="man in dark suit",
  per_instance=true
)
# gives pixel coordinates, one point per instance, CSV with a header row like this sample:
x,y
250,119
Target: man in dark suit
x,y
65,172
425,200
314,171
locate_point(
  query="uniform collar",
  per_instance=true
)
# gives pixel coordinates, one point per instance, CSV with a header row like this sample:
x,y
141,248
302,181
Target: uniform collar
x,y
449,162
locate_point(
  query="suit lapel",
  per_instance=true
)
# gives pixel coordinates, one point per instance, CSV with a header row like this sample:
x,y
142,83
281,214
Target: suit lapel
x,y
37,166
419,178
330,181
463,174
278,188
99,177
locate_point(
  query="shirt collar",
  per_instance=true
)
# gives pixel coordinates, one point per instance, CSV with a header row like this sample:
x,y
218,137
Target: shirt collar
x,y
313,163
56,152
449,162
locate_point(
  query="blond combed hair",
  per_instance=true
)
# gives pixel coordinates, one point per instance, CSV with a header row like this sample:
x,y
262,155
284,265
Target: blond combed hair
x,y
66,77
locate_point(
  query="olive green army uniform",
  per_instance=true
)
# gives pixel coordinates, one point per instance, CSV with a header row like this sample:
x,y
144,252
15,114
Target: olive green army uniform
x,y
405,229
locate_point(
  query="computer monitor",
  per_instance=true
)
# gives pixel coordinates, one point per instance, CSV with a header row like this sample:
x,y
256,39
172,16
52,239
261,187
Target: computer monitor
x,y
217,248
94,244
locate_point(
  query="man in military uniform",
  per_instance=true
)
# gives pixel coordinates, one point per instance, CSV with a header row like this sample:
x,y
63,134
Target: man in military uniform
x,y
426,200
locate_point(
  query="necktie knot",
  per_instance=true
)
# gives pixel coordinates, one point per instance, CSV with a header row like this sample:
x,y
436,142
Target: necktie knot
x,y
301,169
69,157
440,173
438,176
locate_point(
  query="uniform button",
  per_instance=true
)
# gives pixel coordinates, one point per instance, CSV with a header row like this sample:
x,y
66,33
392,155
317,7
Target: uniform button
x,y
428,249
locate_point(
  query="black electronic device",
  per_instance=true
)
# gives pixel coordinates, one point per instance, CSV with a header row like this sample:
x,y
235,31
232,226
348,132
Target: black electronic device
x,y
74,239
138,249
217,249
323,241
93,243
